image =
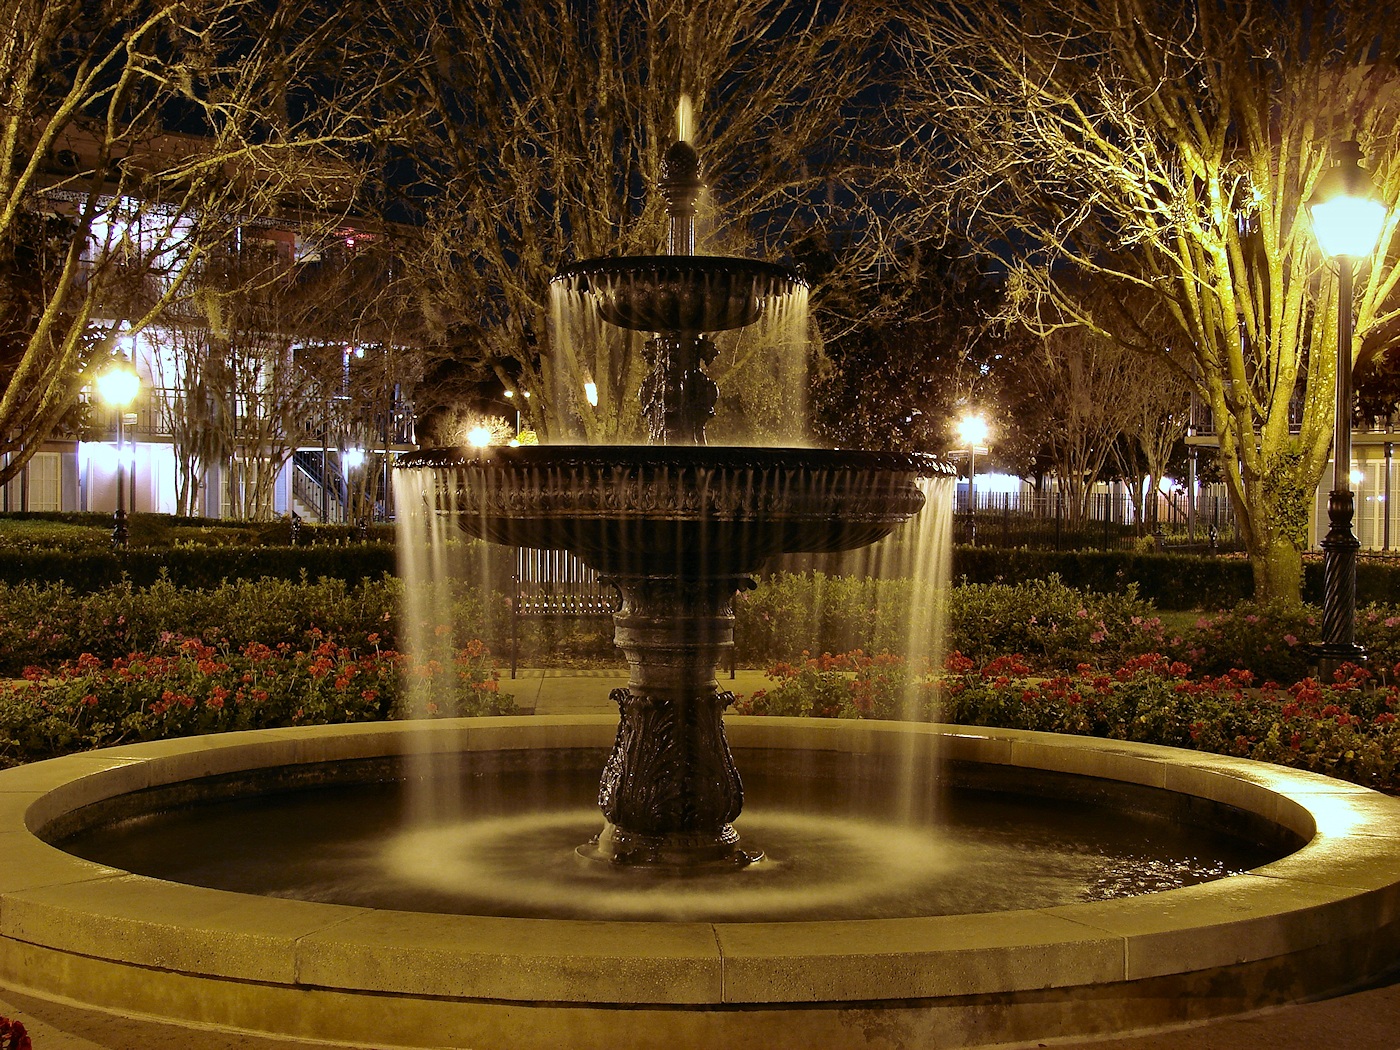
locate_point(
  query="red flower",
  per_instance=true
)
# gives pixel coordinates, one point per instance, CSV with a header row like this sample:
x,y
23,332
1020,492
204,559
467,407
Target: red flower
x,y
957,663
13,1036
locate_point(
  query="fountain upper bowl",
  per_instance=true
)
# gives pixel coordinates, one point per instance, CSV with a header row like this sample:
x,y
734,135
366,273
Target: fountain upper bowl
x,y
688,510
680,293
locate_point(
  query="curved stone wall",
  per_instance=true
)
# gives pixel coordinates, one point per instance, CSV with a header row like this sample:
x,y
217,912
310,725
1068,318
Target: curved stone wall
x,y
1317,921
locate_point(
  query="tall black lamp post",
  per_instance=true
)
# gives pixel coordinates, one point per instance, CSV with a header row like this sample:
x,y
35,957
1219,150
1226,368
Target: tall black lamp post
x,y
972,431
1347,215
118,387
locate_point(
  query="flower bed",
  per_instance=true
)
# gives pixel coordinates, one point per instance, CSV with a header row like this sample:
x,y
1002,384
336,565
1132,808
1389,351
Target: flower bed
x,y
1346,728
185,686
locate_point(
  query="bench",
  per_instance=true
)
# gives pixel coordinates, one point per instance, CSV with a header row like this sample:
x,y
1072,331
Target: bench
x,y
555,583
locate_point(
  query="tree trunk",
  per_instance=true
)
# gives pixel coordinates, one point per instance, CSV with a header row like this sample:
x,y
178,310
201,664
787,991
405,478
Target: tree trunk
x,y
1278,572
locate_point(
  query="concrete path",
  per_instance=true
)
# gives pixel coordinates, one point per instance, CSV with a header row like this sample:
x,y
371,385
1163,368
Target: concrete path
x,y
1368,1019
1365,1020
586,693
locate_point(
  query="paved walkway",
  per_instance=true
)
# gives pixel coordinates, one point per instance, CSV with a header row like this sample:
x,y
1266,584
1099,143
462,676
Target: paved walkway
x,y
1368,1019
1365,1020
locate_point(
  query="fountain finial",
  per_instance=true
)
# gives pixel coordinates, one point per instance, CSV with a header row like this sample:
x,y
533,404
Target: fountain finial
x,y
680,165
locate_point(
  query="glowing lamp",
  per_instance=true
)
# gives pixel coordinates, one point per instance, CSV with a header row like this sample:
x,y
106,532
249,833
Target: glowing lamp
x,y
1347,210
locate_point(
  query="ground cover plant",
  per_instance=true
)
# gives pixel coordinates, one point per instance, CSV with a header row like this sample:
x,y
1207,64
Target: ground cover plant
x,y
127,663
1047,623
184,687
1344,728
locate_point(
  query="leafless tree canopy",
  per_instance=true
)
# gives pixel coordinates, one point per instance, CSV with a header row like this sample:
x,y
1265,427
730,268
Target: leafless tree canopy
x,y
204,112
541,125
1166,152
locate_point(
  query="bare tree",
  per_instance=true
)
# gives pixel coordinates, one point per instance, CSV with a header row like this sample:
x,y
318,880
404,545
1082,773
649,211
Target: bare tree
x,y
1157,411
1081,379
268,353
192,406
541,129
1168,151
130,131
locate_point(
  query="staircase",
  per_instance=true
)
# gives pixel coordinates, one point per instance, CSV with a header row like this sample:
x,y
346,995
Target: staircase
x,y
316,497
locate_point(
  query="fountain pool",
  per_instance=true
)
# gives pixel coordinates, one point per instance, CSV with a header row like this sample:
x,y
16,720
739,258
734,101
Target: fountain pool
x,y
1321,918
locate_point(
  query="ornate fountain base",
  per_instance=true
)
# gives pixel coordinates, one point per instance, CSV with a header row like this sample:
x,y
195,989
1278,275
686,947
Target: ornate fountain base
x,y
670,790
678,529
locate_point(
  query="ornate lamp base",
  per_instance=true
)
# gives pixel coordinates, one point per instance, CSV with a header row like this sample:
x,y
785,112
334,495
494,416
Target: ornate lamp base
x,y
1339,548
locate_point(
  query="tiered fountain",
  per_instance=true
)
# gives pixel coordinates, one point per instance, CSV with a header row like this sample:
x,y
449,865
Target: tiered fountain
x,y
133,916
678,526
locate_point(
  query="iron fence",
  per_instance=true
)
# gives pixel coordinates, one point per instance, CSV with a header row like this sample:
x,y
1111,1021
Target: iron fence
x,y
1049,522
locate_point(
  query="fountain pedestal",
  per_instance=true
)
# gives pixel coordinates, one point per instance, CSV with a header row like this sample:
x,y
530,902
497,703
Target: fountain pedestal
x,y
670,789
679,530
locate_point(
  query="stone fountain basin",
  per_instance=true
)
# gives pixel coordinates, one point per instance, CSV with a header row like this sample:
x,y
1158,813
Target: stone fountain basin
x,y
718,510
1322,919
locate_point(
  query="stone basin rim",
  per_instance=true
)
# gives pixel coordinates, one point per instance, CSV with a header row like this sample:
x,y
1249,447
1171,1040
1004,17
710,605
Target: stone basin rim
x,y
648,459
1343,886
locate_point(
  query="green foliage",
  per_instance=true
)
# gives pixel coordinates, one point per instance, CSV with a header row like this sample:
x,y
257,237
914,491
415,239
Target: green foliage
x,y
1171,581
791,612
1377,580
1050,624
1053,626
44,624
1286,491
850,685
195,566
1270,639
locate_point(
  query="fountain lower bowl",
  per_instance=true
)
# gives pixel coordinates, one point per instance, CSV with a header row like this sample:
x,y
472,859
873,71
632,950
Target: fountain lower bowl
x,y
1319,920
711,510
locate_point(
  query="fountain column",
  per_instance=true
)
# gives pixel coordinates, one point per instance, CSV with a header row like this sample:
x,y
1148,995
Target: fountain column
x,y
670,789
678,398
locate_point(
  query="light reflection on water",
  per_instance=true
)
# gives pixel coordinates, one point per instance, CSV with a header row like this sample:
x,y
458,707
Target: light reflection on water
x,y
830,852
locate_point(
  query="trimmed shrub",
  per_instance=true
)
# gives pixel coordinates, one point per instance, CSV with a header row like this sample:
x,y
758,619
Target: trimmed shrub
x,y
1348,728
184,687
1050,624
90,570
1171,581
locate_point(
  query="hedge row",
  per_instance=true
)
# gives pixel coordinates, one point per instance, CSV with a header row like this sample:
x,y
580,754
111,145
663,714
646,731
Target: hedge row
x,y
86,571
1170,581
92,531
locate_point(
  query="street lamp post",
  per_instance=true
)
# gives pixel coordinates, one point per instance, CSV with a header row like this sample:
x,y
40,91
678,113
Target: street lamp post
x,y
1347,216
118,387
511,395
972,430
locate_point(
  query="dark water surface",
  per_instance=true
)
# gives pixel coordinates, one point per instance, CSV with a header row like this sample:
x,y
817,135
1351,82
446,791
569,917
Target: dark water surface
x,y
834,848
